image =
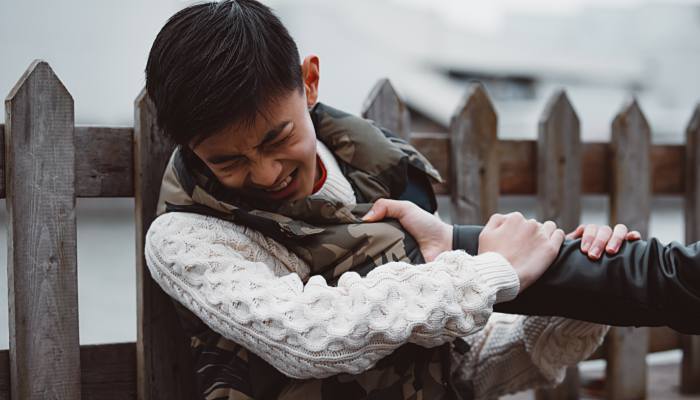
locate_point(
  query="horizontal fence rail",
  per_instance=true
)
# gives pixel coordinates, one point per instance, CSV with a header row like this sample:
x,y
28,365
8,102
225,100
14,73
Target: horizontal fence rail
x,y
48,162
104,166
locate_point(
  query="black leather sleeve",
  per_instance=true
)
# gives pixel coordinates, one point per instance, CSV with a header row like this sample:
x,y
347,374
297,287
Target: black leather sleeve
x,y
646,283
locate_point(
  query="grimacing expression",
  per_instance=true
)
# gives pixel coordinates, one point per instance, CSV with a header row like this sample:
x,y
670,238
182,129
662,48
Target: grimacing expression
x,y
275,157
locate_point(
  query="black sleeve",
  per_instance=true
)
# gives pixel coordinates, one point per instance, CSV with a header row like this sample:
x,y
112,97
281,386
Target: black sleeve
x,y
419,190
644,284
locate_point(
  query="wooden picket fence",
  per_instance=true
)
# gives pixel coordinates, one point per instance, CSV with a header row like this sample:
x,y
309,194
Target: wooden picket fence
x,y
48,162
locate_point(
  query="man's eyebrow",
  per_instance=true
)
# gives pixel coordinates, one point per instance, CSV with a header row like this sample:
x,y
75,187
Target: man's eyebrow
x,y
269,136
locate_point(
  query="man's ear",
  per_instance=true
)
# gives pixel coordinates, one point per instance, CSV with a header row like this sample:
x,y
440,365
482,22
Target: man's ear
x,y
310,75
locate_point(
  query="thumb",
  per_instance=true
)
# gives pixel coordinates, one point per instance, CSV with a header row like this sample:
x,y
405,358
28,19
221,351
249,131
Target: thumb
x,y
383,208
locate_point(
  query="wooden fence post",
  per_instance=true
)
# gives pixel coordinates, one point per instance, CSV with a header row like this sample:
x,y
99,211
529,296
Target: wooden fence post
x,y
630,194
41,241
384,106
690,367
559,192
164,366
559,164
474,158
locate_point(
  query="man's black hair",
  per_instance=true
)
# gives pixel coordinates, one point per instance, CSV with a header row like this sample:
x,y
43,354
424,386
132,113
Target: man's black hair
x,y
219,63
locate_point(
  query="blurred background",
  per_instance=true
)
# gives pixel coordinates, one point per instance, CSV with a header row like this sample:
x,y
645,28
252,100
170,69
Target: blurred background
x,y
602,52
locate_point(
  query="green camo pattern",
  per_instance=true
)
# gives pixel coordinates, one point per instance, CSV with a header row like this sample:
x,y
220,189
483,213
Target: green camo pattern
x,y
332,239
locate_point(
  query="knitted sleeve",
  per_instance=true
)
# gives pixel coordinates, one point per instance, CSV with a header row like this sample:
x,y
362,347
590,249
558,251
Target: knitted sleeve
x,y
515,352
314,330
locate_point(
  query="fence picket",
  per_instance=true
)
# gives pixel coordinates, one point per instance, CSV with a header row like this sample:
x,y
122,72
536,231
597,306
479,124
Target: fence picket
x,y
41,242
162,349
690,366
630,196
474,167
559,164
386,107
559,192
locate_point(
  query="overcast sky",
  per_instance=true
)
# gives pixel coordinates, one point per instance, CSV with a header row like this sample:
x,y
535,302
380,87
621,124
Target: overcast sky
x,y
488,16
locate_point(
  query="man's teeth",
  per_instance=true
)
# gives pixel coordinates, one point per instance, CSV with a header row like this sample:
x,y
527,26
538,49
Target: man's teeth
x,y
282,185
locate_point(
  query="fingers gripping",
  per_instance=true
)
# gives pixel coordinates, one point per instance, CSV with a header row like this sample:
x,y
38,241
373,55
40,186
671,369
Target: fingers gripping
x,y
385,208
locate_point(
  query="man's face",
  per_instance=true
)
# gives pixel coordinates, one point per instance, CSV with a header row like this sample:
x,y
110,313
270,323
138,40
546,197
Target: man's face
x,y
275,158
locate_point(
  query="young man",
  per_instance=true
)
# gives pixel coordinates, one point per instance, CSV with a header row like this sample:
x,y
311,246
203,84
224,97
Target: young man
x,y
285,290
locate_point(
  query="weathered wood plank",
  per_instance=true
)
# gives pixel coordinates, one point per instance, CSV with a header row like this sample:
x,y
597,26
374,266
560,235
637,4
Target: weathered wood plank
x,y
386,107
559,164
690,367
41,241
162,349
630,204
517,164
559,193
474,158
104,162
108,372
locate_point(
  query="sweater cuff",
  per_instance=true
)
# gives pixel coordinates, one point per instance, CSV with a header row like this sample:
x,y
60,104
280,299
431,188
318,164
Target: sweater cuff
x,y
497,272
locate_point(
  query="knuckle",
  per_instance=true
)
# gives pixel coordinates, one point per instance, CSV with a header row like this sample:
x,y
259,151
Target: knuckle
x,y
515,215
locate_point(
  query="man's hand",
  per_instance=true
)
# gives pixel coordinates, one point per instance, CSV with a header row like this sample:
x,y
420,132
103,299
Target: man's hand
x,y
595,238
433,235
529,246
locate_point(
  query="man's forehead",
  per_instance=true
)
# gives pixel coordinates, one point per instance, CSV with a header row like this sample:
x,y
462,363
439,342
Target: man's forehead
x,y
245,134
235,144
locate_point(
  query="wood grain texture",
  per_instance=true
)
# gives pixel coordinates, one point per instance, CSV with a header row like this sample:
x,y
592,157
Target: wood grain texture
x,y
386,107
559,193
474,158
559,164
41,242
112,176
690,366
630,199
104,162
517,160
108,372
162,349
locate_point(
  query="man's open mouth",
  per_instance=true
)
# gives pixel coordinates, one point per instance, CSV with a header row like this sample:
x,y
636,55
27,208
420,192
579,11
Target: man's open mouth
x,y
284,188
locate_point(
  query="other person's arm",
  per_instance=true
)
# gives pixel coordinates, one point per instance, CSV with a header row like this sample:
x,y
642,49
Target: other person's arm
x,y
646,283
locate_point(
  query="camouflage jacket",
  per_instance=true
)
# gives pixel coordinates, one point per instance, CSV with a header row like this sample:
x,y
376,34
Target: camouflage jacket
x,y
331,238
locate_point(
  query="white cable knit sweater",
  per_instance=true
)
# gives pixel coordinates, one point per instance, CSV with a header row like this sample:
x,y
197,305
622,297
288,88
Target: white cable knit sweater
x,y
250,289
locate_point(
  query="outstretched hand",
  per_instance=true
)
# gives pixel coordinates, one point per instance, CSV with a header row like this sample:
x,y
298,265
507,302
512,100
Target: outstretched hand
x,y
595,238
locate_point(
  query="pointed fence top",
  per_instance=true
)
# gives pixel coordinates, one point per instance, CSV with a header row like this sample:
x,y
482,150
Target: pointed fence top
x,y
558,104
38,69
384,106
694,124
143,101
475,99
630,118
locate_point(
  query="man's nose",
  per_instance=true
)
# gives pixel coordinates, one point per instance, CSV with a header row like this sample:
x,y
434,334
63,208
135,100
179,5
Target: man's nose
x,y
265,172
